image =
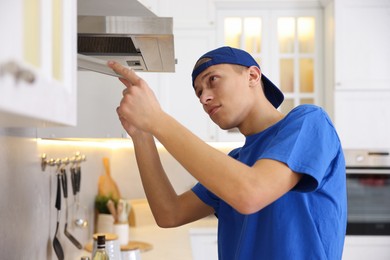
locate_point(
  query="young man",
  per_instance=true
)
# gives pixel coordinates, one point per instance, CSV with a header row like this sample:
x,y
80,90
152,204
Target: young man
x,y
280,196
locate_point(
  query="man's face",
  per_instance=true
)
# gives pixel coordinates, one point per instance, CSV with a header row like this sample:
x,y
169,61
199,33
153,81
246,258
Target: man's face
x,y
223,91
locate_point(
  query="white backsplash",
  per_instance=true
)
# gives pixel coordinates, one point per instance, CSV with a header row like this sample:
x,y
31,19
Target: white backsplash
x,y
27,196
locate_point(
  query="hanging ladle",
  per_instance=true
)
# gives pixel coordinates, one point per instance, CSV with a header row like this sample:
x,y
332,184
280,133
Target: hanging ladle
x,y
79,211
56,243
65,190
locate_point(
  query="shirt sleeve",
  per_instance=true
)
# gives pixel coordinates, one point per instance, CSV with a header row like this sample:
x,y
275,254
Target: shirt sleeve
x,y
307,143
206,196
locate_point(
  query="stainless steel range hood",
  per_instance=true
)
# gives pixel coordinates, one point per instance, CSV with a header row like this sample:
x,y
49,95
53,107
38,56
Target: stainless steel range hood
x,y
124,31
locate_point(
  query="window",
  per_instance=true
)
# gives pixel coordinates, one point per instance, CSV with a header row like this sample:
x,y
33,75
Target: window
x,y
286,44
296,52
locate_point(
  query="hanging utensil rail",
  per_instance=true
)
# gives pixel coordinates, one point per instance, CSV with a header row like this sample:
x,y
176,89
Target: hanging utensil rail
x,y
60,162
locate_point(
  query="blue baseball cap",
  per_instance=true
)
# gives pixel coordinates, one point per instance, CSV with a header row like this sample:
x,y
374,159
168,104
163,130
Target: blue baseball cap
x,y
229,55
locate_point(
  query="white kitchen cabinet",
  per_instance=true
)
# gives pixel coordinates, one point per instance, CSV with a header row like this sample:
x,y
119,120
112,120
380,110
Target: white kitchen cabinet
x,y
178,94
366,247
362,118
204,244
362,81
362,40
38,63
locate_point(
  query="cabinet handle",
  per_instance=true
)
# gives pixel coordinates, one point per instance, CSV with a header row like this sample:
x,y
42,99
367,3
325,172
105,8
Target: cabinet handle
x,y
17,72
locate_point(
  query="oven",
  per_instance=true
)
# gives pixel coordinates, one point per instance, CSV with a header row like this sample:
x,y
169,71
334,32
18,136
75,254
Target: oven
x,y
368,190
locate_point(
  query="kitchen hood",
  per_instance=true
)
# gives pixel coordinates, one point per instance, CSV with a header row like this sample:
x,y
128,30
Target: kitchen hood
x,y
125,31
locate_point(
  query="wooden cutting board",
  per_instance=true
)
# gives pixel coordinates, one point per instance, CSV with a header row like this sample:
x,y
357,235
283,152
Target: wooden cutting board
x,y
106,184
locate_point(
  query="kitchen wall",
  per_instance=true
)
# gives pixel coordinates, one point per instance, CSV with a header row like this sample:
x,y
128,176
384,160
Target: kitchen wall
x,y
27,196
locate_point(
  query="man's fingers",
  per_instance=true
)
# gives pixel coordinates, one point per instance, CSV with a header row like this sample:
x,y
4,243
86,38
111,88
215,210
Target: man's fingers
x,y
121,117
119,69
125,82
126,73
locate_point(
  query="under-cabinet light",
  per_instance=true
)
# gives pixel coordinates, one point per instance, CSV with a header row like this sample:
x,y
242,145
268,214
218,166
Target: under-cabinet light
x,y
122,143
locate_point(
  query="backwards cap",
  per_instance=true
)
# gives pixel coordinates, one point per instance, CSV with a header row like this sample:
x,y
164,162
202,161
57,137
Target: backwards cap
x,y
228,55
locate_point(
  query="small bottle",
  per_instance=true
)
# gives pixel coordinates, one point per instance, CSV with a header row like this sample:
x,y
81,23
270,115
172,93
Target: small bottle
x,y
101,253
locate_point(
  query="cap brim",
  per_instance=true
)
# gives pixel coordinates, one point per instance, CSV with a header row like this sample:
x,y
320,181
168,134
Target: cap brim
x,y
272,92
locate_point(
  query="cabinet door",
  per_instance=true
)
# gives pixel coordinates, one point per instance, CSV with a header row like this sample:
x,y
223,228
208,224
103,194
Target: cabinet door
x,y
362,119
204,244
178,94
38,63
362,40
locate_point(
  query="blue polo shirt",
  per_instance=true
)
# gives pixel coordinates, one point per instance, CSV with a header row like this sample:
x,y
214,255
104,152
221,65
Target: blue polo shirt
x,y
308,222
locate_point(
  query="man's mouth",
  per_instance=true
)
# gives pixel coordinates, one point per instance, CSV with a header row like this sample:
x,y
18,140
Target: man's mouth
x,y
212,110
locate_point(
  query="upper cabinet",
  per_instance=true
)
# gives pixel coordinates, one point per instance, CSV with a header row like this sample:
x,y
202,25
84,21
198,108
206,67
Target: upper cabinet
x,y
362,40
362,78
177,95
362,119
38,63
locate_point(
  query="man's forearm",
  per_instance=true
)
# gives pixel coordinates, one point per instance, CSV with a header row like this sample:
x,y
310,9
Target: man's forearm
x,y
214,169
161,195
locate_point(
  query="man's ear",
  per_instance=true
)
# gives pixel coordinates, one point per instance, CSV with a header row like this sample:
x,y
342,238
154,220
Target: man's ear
x,y
254,75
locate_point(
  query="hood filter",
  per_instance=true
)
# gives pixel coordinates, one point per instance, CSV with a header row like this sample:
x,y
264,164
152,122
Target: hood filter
x,y
106,45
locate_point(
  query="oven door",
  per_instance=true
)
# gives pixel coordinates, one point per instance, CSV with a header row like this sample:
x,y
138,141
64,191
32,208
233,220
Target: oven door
x,y
368,191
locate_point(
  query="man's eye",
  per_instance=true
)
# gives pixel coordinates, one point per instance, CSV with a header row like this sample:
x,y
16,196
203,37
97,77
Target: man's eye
x,y
212,78
199,93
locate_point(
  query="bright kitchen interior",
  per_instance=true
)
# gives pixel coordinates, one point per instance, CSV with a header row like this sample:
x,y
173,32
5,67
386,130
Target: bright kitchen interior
x,y
331,53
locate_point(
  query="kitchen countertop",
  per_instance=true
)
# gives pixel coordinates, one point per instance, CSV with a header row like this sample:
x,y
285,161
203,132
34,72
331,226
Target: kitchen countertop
x,y
170,243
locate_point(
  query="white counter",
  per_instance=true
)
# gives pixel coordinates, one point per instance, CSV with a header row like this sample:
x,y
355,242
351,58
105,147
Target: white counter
x,y
172,243
167,243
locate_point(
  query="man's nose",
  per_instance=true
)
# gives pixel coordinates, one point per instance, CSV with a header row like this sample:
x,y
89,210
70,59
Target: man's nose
x,y
206,97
